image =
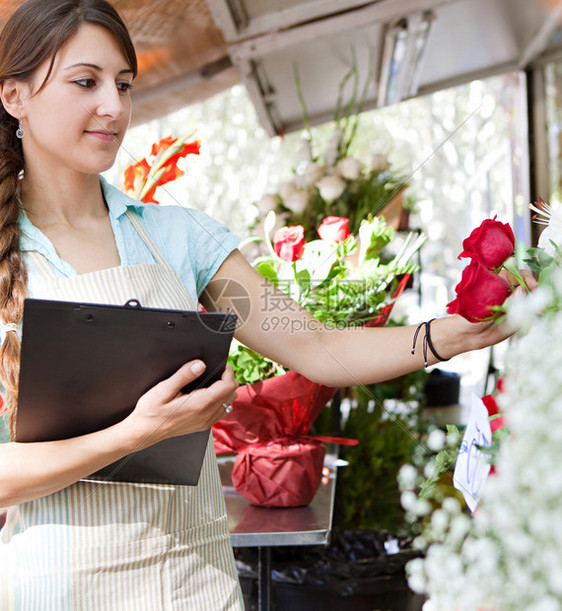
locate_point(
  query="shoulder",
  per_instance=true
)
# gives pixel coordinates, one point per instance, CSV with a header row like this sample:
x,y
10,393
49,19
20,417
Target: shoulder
x,y
190,240
165,218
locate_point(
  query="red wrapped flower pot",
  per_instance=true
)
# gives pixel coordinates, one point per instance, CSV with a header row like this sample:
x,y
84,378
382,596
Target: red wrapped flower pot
x,y
281,473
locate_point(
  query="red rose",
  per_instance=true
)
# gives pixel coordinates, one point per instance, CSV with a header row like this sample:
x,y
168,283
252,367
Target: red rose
x,y
493,410
491,243
478,289
334,228
289,242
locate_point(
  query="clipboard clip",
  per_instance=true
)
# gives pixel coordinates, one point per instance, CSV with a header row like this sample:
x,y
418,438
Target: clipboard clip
x,y
133,303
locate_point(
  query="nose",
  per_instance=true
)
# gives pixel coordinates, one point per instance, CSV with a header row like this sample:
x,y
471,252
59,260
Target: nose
x,y
112,103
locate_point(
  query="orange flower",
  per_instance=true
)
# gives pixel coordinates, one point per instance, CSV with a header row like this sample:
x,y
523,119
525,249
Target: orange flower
x,y
142,178
135,176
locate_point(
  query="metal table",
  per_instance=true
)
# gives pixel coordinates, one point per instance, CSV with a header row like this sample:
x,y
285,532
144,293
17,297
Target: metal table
x,y
260,527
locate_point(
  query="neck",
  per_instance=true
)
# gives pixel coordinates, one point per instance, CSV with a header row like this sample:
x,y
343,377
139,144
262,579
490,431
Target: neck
x,y
65,200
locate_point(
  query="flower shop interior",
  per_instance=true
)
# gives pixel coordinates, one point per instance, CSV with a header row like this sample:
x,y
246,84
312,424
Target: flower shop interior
x,y
386,131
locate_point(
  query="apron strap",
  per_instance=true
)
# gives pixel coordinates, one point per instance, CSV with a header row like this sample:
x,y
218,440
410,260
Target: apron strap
x,y
42,265
158,255
146,238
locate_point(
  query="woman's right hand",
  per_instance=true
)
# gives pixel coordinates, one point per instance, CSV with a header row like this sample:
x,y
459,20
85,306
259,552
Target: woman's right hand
x,y
164,411
32,470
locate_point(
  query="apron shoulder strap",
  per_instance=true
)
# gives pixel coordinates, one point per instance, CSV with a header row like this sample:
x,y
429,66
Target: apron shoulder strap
x,y
146,238
42,265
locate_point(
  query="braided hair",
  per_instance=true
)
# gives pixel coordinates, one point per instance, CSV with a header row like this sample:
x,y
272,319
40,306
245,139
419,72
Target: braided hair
x,y
32,36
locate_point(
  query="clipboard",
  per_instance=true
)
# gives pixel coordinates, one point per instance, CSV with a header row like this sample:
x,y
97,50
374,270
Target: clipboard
x,y
84,366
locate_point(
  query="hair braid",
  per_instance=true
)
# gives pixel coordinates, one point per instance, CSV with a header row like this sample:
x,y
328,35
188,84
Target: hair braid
x,y
33,35
13,273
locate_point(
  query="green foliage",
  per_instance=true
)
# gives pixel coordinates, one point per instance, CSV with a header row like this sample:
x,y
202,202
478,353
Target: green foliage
x,y
348,303
371,496
434,487
249,366
334,290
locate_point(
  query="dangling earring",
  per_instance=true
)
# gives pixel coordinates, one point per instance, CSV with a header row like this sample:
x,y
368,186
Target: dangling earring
x,y
19,131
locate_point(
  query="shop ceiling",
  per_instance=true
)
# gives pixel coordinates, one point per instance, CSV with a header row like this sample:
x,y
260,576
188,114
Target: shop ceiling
x,y
191,49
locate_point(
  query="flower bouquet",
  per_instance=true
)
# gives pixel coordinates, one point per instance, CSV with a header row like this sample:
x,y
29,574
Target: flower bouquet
x,y
341,280
335,183
507,554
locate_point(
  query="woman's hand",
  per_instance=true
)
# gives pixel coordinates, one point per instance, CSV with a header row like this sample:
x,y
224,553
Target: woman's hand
x,y
516,286
164,411
488,333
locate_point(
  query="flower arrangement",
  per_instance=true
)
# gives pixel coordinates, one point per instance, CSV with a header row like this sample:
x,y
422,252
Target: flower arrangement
x,y
341,279
143,177
491,247
507,555
333,183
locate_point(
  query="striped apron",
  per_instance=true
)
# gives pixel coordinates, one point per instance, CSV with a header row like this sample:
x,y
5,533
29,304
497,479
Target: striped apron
x,y
114,546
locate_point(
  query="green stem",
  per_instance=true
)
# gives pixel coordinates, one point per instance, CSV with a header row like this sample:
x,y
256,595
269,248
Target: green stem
x,y
511,265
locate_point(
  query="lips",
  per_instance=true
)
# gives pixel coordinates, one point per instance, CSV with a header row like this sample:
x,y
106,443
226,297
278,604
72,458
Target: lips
x,y
103,135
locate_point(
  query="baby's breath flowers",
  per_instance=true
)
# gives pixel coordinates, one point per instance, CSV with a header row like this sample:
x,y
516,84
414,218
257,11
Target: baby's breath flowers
x,y
508,555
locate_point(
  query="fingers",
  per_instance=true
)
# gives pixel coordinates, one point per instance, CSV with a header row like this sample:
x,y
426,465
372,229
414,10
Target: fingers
x,y
529,279
167,412
221,392
527,276
170,387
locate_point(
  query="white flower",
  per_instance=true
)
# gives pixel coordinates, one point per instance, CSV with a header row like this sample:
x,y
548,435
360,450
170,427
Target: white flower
x,y
553,221
460,526
333,147
296,201
312,174
349,168
379,162
266,203
451,506
415,573
453,437
430,469
304,152
439,520
407,477
408,500
330,187
423,507
436,440
287,189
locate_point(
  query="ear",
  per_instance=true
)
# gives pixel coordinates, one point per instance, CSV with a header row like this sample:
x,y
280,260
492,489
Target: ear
x,y
13,94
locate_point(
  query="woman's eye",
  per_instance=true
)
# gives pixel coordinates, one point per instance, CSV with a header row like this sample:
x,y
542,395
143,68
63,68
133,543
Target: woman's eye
x,y
124,86
88,83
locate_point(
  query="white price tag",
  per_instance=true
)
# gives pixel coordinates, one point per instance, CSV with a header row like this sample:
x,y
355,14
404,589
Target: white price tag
x,y
472,466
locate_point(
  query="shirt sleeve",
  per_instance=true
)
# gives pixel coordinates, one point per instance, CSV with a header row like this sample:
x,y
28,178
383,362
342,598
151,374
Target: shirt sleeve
x,y
4,428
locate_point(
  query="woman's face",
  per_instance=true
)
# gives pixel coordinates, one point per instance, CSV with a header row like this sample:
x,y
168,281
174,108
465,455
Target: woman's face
x,y
78,119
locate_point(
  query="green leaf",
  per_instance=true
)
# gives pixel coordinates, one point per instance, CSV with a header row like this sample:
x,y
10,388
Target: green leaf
x,y
303,279
268,272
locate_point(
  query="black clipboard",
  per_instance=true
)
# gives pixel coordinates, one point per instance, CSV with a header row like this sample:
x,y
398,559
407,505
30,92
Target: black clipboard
x,y
84,366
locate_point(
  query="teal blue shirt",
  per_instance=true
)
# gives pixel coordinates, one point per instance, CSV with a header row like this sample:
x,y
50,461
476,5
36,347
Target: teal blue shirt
x,y
191,242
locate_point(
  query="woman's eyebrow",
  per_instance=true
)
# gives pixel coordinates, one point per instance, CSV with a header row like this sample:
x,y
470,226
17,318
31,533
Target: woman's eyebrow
x,y
96,67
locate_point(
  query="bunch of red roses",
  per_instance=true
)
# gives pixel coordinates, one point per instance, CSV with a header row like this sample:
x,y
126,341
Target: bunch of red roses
x,y
289,242
482,291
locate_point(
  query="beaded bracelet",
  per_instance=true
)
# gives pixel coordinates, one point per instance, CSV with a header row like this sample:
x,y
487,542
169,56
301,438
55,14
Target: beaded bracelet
x,y
426,342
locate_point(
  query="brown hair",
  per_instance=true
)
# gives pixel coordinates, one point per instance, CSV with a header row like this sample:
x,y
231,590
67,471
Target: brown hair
x,y
33,35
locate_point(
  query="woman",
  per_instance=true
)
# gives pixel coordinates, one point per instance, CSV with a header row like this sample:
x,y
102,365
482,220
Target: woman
x,y
66,68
